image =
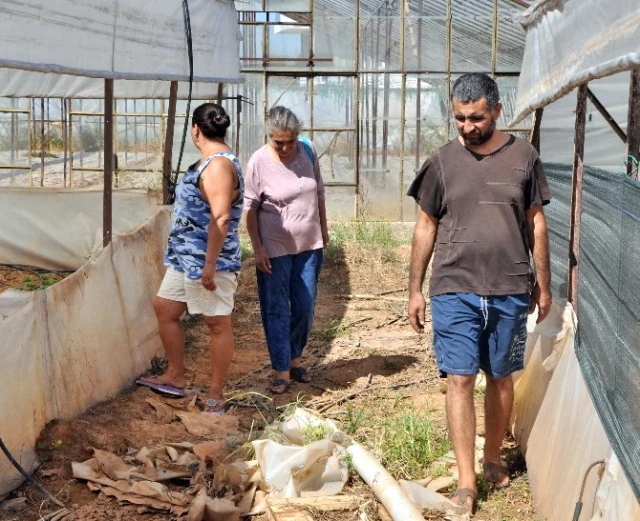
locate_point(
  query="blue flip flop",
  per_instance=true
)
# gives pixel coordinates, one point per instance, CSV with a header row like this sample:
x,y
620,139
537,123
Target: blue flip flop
x,y
167,389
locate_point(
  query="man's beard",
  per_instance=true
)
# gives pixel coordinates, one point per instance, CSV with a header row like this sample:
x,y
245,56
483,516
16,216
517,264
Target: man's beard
x,y
482,138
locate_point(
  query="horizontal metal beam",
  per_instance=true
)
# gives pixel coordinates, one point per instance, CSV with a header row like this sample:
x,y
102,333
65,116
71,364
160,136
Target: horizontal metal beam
x,y
14,167
350,72
17,111
91,169
339,184
288,24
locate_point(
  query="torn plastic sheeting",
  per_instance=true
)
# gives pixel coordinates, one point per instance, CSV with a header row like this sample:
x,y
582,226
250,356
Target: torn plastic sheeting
x,y
89,471
61,353
545,345
566,436
113,476
205,508
612,496
425,498
289,471
137,500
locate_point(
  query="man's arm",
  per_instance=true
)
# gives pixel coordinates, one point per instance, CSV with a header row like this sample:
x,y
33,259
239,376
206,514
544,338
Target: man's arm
x,y
539,240
424,239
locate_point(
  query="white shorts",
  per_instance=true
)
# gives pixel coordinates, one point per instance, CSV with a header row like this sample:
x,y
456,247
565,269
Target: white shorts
x,y
200,301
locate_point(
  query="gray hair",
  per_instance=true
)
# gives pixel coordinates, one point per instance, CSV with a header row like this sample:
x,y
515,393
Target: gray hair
x,y
281,118
475,86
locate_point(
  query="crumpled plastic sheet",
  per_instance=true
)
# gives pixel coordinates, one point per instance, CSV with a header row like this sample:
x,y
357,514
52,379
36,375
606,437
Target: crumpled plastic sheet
x,y
294,470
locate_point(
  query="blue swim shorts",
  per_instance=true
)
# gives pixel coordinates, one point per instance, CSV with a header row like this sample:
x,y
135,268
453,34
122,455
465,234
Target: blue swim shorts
x,y
472,332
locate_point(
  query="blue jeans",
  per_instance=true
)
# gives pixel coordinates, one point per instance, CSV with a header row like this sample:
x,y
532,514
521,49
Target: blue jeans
x,y
287,302
472,332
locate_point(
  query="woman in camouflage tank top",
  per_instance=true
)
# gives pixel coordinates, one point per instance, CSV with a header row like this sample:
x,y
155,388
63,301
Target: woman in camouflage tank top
x,y
203,256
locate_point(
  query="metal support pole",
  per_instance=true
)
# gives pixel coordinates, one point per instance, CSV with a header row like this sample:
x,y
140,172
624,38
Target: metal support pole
x,y
633,123
41,141
70,139
30,123
311,79
418,90
449,45
576,195
238,123
220,92
403,102
534,136
65,140
356,205
107,213
14,120
494,40
168,140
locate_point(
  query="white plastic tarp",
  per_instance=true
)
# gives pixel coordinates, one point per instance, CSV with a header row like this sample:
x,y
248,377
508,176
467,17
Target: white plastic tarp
x,y
78,342
558,427
121,39
61,228
573,41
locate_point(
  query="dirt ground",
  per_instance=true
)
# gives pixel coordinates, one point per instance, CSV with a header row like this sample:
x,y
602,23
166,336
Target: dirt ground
x,y
356,343
28,279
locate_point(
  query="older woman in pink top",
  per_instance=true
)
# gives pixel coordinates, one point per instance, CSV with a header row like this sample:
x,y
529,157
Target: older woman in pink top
x,y
287,223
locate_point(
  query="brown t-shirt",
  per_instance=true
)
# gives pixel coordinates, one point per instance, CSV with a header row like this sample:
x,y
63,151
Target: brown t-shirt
x,y
482,244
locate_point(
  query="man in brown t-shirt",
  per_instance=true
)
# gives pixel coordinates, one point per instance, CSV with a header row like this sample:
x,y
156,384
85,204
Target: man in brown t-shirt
x,y
480,198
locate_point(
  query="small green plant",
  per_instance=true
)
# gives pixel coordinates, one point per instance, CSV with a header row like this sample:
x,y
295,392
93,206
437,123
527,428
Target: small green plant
x,y
311,433
45,449
364,233
35,282
438,470
29,284
404,439
354,420
247,250
330,333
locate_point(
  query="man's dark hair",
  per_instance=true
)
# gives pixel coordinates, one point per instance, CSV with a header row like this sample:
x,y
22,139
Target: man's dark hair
x,y
475,86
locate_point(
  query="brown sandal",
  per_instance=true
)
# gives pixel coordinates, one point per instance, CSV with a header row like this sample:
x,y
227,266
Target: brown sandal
x,y
495,472
460,498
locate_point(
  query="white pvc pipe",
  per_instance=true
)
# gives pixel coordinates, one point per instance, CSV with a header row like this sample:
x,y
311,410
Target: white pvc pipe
x,y
384,486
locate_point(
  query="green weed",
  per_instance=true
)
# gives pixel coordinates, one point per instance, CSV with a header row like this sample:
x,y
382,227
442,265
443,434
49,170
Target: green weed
x,y
404,439
34,282
334,330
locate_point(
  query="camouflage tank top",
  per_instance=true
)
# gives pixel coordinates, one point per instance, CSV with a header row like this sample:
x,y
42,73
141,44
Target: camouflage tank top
x,y
191,217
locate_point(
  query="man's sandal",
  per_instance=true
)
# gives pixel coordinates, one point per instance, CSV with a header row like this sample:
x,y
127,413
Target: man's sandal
x,y
279,386
300,374
495,473
461,498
